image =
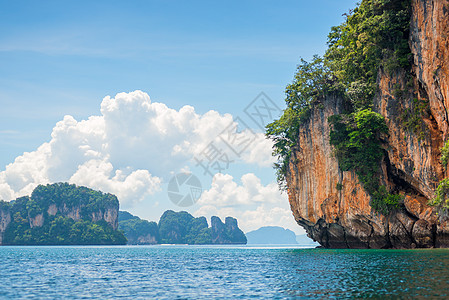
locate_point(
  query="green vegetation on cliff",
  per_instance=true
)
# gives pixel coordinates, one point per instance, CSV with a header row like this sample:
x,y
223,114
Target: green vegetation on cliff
x,y
374,36
138,231
59,230
70,196
182,228
442,193
227,233
312,82
43,218
356,141
355,138
445,154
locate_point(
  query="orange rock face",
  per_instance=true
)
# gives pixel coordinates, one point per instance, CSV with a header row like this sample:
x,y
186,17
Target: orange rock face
x,y
430,46
343,218
336,218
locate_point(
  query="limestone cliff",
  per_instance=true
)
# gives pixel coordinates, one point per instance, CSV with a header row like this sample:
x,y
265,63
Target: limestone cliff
x,y
138,231
227,233
340,216
5,219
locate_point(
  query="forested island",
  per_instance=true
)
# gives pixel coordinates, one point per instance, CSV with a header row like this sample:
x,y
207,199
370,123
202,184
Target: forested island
x,y
180,228
61,214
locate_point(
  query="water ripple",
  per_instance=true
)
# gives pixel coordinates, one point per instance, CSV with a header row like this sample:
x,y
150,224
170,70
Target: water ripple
x,y
220,272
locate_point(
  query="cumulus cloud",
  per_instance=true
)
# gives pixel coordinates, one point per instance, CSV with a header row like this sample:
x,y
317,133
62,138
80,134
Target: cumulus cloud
x,y
130,149
101,175
225,191
254,205
260,152
21,176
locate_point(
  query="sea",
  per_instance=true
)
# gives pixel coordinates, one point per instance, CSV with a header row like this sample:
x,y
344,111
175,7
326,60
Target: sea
x,y
223,272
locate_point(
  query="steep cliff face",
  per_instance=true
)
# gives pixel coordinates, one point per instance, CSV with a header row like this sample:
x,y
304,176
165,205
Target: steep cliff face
x,y
335,218
332,205
107,213
430,45
5,219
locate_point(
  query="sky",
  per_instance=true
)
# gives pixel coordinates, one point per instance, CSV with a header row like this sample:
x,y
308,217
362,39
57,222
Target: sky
x,y
121,96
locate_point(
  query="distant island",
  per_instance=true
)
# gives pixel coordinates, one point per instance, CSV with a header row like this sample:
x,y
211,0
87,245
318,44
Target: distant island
x,y
275,235
66,214
180,228
61,214
271,235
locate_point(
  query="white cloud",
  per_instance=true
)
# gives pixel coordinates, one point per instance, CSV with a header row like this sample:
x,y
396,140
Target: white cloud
x,y
253,204
21,176
131,188
128,150
225,192
260,152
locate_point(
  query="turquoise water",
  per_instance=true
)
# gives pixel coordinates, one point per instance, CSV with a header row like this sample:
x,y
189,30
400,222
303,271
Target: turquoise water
x,y
220,272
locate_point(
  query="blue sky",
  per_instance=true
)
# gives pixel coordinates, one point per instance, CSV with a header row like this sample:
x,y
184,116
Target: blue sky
x,y
63,57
